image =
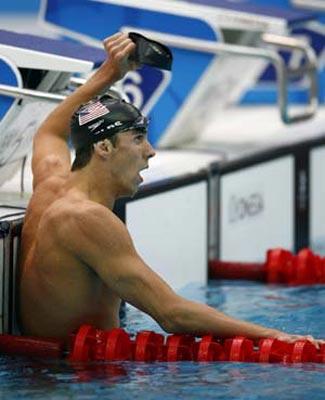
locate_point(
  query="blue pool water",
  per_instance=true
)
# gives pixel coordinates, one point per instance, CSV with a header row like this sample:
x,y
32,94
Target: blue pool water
x,y
299,310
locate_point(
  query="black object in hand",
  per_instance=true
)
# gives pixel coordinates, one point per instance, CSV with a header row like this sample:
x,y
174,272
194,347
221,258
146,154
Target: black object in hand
x,y
151,53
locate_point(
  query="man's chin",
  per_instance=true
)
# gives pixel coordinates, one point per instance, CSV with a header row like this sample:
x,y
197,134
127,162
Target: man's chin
x,y
130,192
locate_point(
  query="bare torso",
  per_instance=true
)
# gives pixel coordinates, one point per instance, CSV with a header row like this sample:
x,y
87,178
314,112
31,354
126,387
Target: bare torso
x,y
59,291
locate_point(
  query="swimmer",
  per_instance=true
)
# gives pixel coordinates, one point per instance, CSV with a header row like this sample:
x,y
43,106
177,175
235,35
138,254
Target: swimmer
x,y
78,260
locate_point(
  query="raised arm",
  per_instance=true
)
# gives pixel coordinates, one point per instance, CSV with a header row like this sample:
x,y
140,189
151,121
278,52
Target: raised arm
x,y
51,155
109,250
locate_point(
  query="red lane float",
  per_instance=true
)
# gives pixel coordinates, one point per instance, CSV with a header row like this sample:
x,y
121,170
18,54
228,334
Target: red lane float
x,y
91,344
31,346
239,349
209,349
304,351
82,343
274,351
118,346
150,346
181,348
237,270
281,266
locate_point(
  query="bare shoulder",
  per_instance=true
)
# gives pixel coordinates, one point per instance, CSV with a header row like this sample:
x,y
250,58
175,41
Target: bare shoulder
x,y
44,196
88,223
52,184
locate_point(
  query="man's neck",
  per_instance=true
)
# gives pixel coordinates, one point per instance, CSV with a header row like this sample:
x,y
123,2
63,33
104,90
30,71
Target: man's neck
x,y
94,187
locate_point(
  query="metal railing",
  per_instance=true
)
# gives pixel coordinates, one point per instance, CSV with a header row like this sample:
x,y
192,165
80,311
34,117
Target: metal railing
x,y
308,70
20,93
283,73
310,4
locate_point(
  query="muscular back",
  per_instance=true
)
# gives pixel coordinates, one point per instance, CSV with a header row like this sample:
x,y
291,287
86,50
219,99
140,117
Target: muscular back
x,y
77,258
59,292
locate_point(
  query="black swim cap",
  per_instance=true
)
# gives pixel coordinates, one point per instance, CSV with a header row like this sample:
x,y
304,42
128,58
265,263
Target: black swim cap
x,y
101,118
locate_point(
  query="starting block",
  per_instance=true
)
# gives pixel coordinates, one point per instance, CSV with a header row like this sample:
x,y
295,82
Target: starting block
x,y
206,60
36,74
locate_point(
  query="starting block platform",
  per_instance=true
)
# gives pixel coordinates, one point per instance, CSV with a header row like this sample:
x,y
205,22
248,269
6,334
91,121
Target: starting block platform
x,y
36,74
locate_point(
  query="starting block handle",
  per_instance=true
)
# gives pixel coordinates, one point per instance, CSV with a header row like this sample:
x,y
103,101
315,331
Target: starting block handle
x,y
313,4
309,70
19,93
272,56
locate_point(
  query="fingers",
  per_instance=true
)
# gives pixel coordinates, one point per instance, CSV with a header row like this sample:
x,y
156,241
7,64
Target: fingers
x,y
315,342
312,340
293,338
288,338
116,38
118,48
119,45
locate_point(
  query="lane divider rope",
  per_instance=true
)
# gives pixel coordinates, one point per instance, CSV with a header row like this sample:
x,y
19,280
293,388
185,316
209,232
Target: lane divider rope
x,y
280,266
92,344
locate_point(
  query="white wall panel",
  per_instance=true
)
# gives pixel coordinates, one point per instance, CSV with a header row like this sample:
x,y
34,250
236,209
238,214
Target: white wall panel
x,y
170,233
317,200
257,210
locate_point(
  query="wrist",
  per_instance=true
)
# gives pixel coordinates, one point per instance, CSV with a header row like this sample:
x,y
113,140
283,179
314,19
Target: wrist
x,y
107,74
272,333
100,81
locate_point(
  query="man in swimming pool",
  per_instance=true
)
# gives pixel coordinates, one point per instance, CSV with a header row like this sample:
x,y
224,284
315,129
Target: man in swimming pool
x,y
78,260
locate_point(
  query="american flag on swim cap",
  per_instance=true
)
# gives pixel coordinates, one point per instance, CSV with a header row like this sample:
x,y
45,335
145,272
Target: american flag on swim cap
x,y
92,111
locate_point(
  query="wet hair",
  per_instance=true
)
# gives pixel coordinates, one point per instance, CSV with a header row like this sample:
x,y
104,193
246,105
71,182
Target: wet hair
x,y
84,154
82,157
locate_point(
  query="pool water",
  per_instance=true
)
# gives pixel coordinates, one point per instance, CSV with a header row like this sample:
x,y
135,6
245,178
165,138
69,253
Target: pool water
x,y
297,310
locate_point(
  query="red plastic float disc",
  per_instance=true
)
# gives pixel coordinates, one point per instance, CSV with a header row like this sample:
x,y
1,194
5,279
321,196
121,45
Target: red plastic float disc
x,y
80,350
305,268
303,351
99,346
210,350
273,350
118,345
279,265
180,348
147,346
239,349
265,347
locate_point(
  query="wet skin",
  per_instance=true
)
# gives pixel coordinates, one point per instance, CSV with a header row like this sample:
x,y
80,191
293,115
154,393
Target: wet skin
x,y
59,290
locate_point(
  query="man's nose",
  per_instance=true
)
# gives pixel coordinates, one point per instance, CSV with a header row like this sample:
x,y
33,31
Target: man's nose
x,y
150,151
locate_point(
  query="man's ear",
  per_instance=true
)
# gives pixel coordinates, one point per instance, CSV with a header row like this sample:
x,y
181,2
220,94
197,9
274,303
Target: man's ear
x,y
103,148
